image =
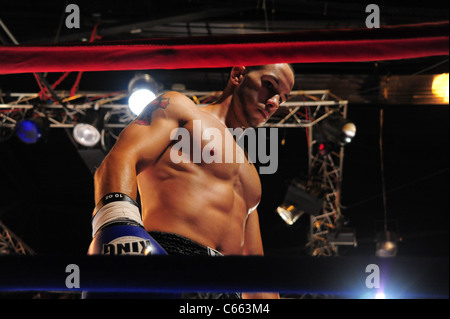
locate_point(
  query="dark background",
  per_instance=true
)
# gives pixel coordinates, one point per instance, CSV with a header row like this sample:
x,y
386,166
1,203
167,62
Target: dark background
x,y
47,191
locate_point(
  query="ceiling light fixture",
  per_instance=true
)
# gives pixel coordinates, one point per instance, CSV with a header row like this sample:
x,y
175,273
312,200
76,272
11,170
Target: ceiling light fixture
x,y
87,131
142,89
32,130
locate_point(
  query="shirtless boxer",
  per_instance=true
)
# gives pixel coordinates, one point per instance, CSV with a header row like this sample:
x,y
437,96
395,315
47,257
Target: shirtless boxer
x,y
210,205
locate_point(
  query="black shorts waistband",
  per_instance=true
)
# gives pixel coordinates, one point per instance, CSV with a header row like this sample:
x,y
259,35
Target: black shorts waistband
x,y
176,244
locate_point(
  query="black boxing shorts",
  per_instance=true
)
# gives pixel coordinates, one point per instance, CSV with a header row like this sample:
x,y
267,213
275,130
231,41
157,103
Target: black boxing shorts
x,y
175,244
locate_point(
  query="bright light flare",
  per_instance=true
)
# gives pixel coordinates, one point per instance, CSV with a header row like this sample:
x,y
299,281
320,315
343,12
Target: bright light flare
x,y
139,99
440,86
380,295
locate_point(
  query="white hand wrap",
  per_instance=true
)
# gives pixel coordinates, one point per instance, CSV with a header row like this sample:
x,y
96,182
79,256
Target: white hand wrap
x,y
119,211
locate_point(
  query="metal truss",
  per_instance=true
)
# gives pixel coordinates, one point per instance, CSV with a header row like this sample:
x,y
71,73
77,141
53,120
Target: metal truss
x,y
303,109
290,113
325,168
10,244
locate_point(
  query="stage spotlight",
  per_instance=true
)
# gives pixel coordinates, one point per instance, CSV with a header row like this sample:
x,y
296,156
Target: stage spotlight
x,y
337,130
298,201
87,131
440,86
32,130
142,89
387,244
348,132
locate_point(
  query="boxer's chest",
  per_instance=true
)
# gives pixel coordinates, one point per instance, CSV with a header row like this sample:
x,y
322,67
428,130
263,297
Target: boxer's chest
x,y
211,145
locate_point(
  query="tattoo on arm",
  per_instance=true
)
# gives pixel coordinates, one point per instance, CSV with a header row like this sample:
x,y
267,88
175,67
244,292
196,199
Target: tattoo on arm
x,y
145,118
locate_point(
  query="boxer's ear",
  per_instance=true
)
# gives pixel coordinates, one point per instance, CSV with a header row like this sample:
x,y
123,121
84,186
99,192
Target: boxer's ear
x,y
237,74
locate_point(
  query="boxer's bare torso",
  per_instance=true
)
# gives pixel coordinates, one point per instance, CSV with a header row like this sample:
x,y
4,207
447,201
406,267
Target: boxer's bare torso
x,y
206,202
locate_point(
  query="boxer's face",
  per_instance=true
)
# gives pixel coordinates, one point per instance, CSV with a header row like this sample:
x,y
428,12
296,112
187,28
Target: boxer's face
x,y
262,91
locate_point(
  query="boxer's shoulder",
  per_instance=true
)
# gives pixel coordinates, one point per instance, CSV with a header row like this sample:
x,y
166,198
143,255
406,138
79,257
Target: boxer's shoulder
x,y
178,106
171,105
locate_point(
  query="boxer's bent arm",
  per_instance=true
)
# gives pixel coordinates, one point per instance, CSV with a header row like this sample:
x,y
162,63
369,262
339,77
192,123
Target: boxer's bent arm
x,y
144,140
253,246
